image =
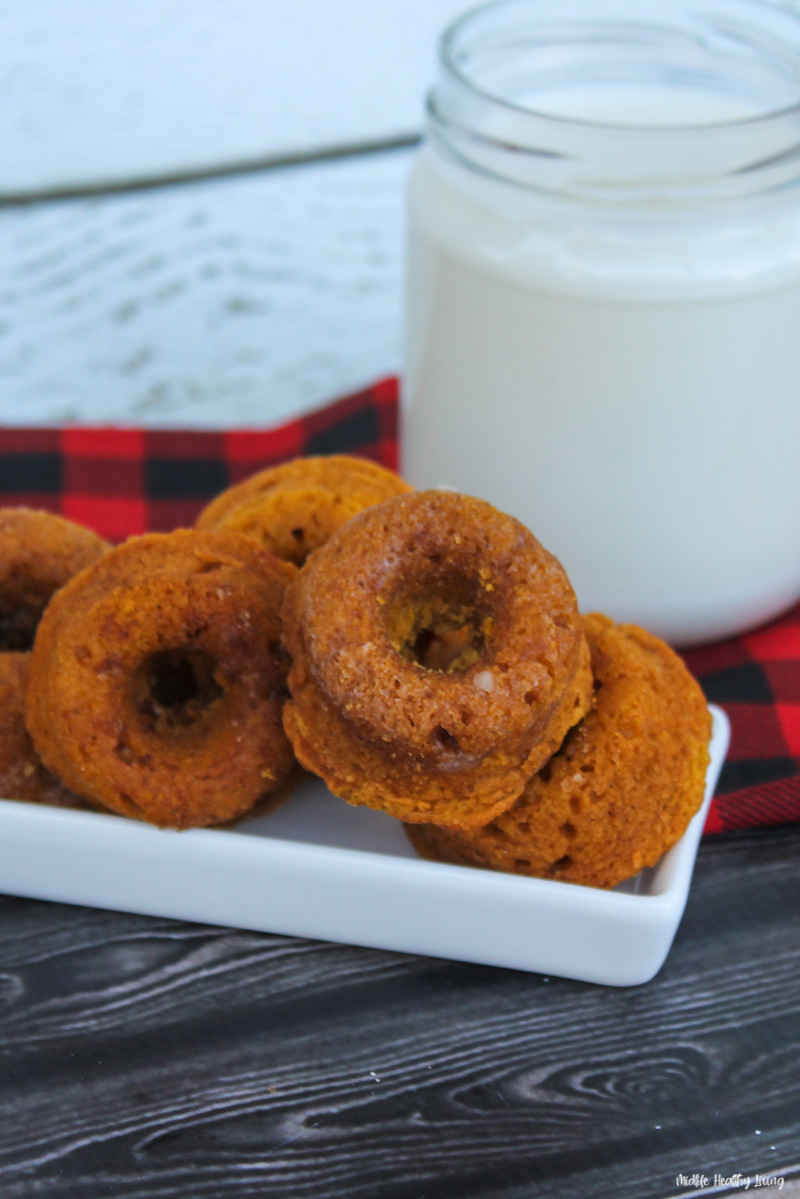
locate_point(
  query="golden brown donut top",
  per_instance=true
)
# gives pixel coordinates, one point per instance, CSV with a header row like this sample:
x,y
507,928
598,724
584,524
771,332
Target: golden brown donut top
x,y
157,678
437,626
183,552
623,786
293,522
39,552
293,508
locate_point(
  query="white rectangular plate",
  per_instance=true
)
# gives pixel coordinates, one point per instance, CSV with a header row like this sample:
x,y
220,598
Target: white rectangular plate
x,y
318,868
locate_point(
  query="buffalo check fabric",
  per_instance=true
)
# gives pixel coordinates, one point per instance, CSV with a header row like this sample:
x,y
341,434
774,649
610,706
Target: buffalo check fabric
x,y
125,481
756,679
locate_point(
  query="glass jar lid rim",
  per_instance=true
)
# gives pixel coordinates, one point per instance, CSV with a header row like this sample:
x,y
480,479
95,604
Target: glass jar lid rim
x,y
449,64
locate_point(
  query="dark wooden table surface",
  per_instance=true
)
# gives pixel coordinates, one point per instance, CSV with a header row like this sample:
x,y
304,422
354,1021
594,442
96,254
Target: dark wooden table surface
x,y
149,1059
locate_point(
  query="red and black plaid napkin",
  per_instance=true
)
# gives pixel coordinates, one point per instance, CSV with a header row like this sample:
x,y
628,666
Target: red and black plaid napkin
x,y
124,481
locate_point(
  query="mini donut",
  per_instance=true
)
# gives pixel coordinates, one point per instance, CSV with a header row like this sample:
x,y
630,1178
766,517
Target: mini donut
x,y
294,508
157,679
39,552
437,659
622,788
22,775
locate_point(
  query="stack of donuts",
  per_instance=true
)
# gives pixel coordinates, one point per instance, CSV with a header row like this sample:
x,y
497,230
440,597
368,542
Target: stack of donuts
x,y
418,650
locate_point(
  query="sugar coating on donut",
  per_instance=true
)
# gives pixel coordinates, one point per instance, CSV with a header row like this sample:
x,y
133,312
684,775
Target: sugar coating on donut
x,y
436,652
39,552
157,679
622,788
293,509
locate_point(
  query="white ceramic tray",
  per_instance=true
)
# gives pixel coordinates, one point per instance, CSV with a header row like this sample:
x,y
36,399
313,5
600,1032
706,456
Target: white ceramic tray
x,y
318,868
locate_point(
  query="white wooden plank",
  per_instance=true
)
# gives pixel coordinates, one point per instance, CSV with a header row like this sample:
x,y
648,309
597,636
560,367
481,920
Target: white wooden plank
x,y
99,91
233,303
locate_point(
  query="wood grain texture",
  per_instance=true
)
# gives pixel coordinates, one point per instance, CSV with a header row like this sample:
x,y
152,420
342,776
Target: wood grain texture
x,y
95,91
233,303
150,1060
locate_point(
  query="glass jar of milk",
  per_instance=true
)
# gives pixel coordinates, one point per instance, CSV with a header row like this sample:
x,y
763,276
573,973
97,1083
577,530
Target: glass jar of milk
x,y
604,297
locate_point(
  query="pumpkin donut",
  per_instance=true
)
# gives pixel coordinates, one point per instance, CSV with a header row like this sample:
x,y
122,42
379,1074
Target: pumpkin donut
x,y
22,775
438,659
622,788
294,508
39,552
157,679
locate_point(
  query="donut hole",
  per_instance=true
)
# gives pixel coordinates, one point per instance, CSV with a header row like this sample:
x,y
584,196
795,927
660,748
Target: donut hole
x,y
176,687
18,627
439,633
445,649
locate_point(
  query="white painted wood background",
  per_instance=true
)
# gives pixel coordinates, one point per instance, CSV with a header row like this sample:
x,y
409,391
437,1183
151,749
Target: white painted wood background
x,y
232,303
237,301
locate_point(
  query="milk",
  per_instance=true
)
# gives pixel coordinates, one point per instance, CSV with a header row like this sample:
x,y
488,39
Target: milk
x,y
627,383
640,105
